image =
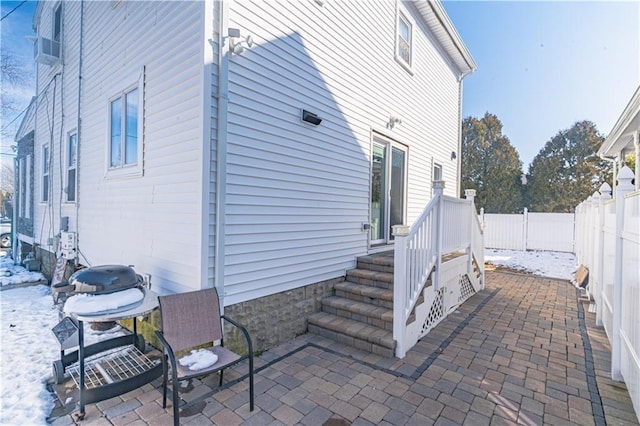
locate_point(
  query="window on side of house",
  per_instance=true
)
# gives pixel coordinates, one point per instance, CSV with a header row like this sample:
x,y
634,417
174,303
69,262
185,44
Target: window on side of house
x,y
125,134
437,172
72,153
56,26
404,40
29,185
22,182
45,174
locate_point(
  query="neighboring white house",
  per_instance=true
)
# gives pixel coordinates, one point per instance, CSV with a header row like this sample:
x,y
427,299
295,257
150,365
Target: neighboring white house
x,y
624,138
169,135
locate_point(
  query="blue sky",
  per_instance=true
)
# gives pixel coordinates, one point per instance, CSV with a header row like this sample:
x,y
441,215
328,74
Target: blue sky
x,y
541,65
13,30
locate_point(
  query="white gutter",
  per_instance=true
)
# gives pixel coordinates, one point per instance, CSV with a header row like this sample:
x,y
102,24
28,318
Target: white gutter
x,y
221,151
615,172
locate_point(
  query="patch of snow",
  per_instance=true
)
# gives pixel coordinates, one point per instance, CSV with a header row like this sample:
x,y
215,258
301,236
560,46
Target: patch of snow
x,y
91,304
28,350
198,359
548,264
16,274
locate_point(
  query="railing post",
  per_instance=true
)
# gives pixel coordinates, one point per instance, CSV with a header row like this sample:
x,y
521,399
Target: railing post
x,y
605,194
624,187
400,233
470,194
438,188
525,228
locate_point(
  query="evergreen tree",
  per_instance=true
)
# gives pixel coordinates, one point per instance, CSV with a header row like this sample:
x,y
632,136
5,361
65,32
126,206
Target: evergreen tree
x,y
567,170
491,165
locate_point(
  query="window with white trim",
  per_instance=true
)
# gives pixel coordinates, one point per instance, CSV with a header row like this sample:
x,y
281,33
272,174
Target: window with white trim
x,y
124,152
56,25
27,190
72,154
22,176
45,174
404,40
437,172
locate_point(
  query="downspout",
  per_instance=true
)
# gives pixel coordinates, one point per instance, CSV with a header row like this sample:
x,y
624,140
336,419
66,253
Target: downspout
x,y
459,174
79,121
459,161
636,144
615,171
221,151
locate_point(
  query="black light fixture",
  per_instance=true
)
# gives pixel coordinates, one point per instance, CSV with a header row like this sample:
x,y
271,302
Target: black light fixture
x,y
310,117
453,155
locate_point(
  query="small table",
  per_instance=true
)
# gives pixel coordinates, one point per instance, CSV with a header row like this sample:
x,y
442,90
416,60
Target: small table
x,y
114,366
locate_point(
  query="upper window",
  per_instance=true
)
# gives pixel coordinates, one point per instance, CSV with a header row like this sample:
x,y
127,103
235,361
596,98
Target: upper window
x,y
57,23
45,174
404,40
72,153
125,111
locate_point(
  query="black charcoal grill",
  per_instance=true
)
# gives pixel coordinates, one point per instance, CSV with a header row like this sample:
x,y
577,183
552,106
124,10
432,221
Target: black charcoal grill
x,y
103,279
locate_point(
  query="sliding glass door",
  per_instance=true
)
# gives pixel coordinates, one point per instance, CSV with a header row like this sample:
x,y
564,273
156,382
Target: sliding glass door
x,y
388,189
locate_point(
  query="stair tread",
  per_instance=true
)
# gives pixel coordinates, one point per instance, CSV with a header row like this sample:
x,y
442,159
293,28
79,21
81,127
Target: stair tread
x,y
361,308
371,275
382,259
354,328
365,290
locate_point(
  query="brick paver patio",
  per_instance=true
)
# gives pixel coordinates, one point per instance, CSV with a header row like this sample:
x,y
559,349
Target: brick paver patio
x,y
523,351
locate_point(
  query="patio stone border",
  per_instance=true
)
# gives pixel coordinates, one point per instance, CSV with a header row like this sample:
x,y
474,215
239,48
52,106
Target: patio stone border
x,y
596,401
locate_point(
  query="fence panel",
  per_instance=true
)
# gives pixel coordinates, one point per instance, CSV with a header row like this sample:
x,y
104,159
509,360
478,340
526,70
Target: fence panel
x,y
504,231
630,324
530,231
550,231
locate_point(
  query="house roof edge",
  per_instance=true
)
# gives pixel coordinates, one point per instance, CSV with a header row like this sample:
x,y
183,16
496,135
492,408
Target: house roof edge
x,y
614,139
450,39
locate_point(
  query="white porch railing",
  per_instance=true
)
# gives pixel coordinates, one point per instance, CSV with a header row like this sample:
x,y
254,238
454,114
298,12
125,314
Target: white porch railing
x,y
608,244
445,226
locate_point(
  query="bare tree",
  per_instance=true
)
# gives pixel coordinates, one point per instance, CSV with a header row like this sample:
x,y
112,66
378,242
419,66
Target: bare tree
x,y
13,75
6,178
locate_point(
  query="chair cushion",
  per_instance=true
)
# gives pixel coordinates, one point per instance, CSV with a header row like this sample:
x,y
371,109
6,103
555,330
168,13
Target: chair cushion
x,y
225,357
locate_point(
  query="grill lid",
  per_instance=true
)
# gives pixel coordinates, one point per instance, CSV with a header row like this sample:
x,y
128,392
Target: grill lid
x,y
105,279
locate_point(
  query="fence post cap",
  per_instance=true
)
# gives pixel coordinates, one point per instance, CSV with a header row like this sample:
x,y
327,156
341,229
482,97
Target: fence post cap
x,y
625,176
605,191
469,193
400,230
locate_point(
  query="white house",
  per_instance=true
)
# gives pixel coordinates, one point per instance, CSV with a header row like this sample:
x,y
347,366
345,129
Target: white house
x,y
624,138
170,136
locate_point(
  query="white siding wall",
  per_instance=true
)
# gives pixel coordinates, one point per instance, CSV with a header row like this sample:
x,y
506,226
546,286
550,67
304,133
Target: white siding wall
x,y
152,221
55,117
297,194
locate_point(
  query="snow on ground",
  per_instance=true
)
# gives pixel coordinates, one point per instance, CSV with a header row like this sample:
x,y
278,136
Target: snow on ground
x,y
549,264
27,316
15,274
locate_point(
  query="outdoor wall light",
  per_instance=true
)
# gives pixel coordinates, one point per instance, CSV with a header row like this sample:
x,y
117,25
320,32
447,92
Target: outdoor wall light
x,y
393,120
310,117
454,155
237,43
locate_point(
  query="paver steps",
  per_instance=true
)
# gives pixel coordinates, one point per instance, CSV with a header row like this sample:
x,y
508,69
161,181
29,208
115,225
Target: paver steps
x,y
361,312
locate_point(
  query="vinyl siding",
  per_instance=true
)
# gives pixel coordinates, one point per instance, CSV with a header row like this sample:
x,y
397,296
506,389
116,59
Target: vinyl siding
x,y
153,221
297,195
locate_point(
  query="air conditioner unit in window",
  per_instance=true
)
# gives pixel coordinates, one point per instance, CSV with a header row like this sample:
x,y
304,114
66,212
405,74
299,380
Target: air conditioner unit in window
x,y
46,51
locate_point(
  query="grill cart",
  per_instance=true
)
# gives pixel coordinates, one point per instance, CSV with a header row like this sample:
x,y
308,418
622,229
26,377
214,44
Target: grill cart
x,y
92,373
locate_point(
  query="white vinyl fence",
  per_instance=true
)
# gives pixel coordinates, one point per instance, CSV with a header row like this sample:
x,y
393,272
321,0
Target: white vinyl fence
x,y
608,244
529,231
